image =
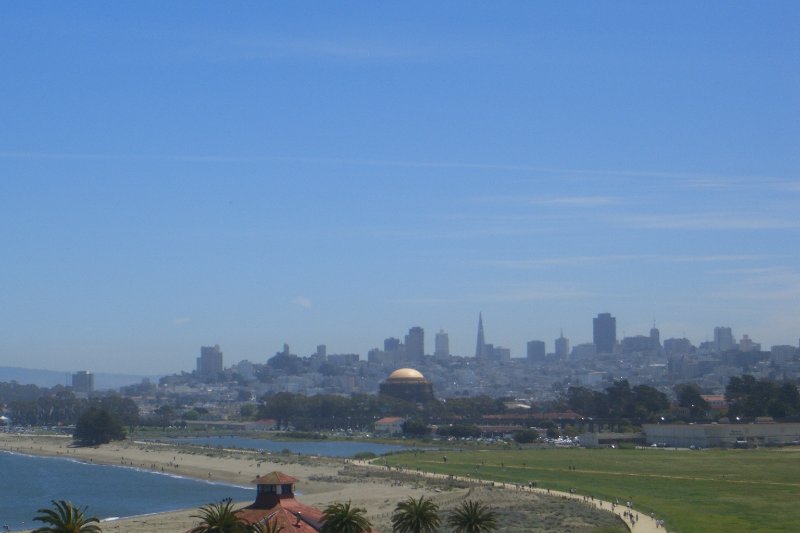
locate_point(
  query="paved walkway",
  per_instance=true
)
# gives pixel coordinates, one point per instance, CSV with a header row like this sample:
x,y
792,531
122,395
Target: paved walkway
x,y
637,522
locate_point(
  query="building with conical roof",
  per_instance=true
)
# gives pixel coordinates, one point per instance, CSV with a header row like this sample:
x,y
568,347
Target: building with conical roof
x,y
480,345
275,504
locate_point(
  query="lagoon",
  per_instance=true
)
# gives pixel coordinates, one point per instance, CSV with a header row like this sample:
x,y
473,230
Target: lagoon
x,y
327,448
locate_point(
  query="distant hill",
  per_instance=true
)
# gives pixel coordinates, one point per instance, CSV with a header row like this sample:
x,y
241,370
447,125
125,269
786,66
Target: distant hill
x,y
50,378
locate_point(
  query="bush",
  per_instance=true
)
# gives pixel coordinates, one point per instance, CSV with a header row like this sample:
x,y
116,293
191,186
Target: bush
x,y
364,456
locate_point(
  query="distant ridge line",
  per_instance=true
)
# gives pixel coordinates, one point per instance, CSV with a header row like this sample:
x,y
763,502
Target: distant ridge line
x,y
51,378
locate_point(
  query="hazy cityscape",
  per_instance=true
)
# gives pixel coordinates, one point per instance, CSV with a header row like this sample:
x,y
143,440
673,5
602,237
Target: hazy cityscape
x,y
524,262
538,380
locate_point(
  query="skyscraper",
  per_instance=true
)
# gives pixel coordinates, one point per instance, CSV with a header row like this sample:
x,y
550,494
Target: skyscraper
x,y
536,351
392,344
604,332
415,343
480,346
209,364
83,381
655,337
723,339
442,347
562,346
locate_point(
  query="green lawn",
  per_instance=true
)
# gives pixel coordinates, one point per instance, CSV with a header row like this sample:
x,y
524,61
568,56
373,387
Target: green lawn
x,y
694,491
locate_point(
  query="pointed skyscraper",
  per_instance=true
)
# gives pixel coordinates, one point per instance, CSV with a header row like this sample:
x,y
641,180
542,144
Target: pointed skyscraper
x,y
480,347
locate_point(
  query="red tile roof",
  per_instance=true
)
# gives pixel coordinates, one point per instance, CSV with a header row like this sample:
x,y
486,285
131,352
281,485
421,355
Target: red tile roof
x,y
274,478
389,420
294,516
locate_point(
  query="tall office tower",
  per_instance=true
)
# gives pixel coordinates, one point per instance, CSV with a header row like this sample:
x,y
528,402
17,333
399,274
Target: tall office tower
x,y
723,339
209,364
536,351
415,343
604,328
480,346
392,344
442,347
83,381
655,337
322,351
562,346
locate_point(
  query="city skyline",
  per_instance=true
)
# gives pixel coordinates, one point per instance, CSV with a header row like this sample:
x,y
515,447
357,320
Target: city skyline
x,y
256,175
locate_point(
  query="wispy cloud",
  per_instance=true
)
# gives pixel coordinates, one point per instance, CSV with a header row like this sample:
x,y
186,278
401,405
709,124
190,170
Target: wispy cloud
x,y
767,284
688,179
303,302
710,221
181,320
556,201
625,258
257,47
733,183
470,233
508,295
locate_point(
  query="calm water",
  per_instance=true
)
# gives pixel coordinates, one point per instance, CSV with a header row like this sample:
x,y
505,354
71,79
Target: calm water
x,y
29,483
333,448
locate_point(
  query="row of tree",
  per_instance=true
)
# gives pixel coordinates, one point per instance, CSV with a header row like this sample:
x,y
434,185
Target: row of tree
x,y
410,516
749,397
29,405
638,404
327,411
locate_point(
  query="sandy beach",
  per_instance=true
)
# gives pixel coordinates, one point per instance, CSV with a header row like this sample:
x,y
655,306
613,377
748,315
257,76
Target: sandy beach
x,y
322,480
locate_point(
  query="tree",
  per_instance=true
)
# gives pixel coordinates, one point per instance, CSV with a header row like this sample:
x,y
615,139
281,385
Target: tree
x,y
219,518
415,428
472,517
248,411
526,436
344,518
164,415
459,431
123,409
98,426
750,397
416,516
66,518
690,396
647,401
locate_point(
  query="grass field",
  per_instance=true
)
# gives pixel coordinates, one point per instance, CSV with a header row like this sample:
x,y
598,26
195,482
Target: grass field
x,y
694,491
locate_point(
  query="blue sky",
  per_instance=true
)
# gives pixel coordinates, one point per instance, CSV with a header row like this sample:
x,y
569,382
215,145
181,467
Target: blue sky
x,y
182,174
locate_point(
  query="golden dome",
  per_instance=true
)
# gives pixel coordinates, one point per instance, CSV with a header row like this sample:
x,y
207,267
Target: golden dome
x,y
406,374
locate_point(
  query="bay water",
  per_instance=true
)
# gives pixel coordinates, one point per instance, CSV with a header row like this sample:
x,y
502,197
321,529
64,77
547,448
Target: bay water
x,y
29,483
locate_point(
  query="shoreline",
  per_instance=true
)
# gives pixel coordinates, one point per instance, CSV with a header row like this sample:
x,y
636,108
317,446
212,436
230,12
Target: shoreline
x,y
322,481
320,478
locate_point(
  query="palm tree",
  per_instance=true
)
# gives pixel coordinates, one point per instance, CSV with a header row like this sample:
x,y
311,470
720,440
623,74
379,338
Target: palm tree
x,y
416,516
219,518
66,518
472,517
343,518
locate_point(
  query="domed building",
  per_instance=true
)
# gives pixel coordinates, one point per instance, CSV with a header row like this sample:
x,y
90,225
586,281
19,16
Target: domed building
x,y
409,385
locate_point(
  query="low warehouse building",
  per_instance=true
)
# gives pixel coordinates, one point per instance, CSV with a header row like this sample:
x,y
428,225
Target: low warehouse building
x,y
722,435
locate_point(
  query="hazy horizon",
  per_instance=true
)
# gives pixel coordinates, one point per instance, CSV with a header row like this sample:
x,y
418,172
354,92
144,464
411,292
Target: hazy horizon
x,y
186,174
